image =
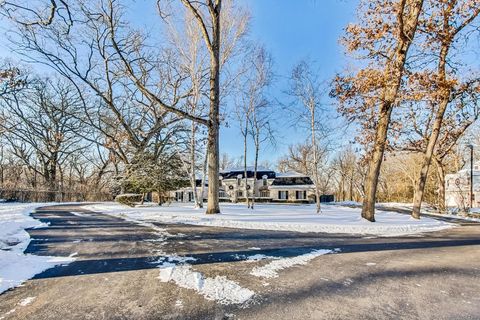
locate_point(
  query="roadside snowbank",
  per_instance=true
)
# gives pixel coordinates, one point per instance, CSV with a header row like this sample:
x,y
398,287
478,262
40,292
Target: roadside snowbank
x,y
300,218
14,219
453,213
15,266
271,269
218,289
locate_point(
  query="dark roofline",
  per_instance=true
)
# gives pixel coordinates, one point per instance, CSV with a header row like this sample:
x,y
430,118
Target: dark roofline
x,y
234,174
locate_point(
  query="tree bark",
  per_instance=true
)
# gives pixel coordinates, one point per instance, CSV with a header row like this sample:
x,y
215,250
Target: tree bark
x,y
394,70
441,184
193,169
432,140
427,158
213,205
204,175
371,183
255,167
245,177
315,159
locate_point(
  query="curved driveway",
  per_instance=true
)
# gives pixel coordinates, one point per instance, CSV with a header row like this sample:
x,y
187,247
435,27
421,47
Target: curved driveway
x,y
115,276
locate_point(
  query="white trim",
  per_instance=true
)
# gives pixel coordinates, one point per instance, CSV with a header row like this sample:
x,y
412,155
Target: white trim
x,y
293,187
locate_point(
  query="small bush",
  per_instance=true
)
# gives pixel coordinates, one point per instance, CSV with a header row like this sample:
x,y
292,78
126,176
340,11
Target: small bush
x,y
129,199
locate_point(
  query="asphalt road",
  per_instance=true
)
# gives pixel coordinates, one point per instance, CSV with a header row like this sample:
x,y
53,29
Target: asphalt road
x,y
115,276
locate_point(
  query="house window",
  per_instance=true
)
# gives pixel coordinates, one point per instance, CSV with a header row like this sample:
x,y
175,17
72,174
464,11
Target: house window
x,y
301,195
265,194
265,181
283,195
239,194
190,196
180,196
222,194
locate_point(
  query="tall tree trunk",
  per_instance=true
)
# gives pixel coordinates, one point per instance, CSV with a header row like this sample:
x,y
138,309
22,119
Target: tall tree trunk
x,y
204,177
342,188
432,140
441,184
255,167
245,176
213,205
426,160
193,168
351,186
371,183
315,159
408,21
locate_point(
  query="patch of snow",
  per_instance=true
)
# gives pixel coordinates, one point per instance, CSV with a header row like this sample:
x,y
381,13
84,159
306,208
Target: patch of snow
x,y
300,218
237,256
370,264
254,248
16,267
347,282
14,219
290,174
219,289
78,214
179,304
259,257
172,258
8,313
429,210
26,301
348,203
271,269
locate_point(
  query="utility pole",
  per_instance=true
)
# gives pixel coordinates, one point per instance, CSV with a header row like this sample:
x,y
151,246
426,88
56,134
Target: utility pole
x,y
471,175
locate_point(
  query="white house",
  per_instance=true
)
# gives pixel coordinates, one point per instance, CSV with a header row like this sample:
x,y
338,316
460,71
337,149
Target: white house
x,y
267,186
457,188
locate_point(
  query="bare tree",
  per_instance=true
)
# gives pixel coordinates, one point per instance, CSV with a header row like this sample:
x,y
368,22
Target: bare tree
x,y
261,131
194,59
226,162
306,89
208,16
243,113
348,177
41,127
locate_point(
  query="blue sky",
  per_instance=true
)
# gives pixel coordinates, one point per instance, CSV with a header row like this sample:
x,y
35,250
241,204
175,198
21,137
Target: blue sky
x,y
291,31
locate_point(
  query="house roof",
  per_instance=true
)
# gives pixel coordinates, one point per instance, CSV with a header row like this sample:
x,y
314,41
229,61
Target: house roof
x,y
290,174
292,179
242,169
235,172
293,186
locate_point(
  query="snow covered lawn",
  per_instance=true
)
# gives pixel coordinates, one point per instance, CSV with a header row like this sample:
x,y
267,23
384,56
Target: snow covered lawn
x,y
300,218
15,266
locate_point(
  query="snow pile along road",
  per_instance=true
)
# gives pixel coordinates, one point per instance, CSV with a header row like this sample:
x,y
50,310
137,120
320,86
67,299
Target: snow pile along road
x,y
219,289
15,266
271,269
176,269
300,218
